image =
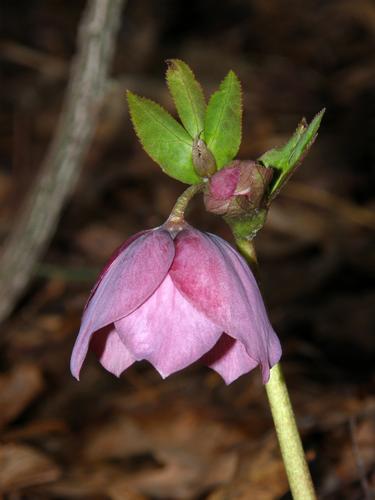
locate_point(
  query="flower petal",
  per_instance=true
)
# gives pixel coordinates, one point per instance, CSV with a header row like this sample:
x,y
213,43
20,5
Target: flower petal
x,y
229,358
168,331
269,348
128,281
111,352
112,258
223,184
218,282
270,341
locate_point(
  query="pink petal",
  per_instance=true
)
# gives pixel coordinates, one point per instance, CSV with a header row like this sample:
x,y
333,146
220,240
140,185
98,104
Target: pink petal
x,y
218,282
168,331
262,325
128,281
111,352
113,257
223,184
229,358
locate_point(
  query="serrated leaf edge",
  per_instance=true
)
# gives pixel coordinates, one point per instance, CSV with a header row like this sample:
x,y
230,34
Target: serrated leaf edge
x,y
169,70
130,94
145,99
284,176
237,80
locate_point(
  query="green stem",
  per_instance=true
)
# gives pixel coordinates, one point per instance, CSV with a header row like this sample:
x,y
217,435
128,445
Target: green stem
x,y
247,249
178,211
296,467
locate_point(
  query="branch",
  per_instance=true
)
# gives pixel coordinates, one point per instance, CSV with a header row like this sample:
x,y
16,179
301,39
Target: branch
x,y
60,170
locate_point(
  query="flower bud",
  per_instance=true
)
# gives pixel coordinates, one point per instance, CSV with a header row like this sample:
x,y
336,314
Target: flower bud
x,y
203,160
238,189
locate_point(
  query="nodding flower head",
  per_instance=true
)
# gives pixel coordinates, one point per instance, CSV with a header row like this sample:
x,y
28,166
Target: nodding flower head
x,y
173,298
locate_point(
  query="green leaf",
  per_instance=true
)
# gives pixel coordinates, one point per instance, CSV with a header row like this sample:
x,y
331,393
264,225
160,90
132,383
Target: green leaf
x,y
289,157
279,157
187,95
246,227
306,140
222,127
163,138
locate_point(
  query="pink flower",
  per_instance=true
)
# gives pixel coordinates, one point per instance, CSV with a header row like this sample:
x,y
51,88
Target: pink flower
x,y
173,297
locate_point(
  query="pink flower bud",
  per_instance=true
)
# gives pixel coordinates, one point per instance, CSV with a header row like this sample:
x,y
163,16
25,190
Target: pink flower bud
x,y
238,188
173,298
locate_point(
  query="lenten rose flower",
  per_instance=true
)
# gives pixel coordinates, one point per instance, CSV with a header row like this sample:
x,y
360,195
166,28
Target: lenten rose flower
x,y
173,297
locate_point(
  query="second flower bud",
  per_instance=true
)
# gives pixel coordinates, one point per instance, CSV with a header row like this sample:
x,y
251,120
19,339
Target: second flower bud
x,y
238,189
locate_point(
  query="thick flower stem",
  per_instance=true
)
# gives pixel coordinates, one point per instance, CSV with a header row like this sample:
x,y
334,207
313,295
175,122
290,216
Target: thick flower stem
x,y
178,211
296,467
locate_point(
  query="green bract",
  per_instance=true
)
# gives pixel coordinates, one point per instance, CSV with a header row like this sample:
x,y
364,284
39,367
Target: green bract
x,y
288,157
222,125
187,95
163,138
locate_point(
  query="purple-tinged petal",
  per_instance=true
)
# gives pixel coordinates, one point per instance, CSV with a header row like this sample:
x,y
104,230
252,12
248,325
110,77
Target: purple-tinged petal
x,y
229,358
238,188
220,190
168,331
223,184
129,280
112,258
274,349
261,326
111,352
218,282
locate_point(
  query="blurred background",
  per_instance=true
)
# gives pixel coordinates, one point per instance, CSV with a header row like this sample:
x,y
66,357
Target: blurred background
x,y
191,437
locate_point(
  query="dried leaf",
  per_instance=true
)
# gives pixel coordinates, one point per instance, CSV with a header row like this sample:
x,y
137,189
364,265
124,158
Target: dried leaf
x,y
18,388
22,466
